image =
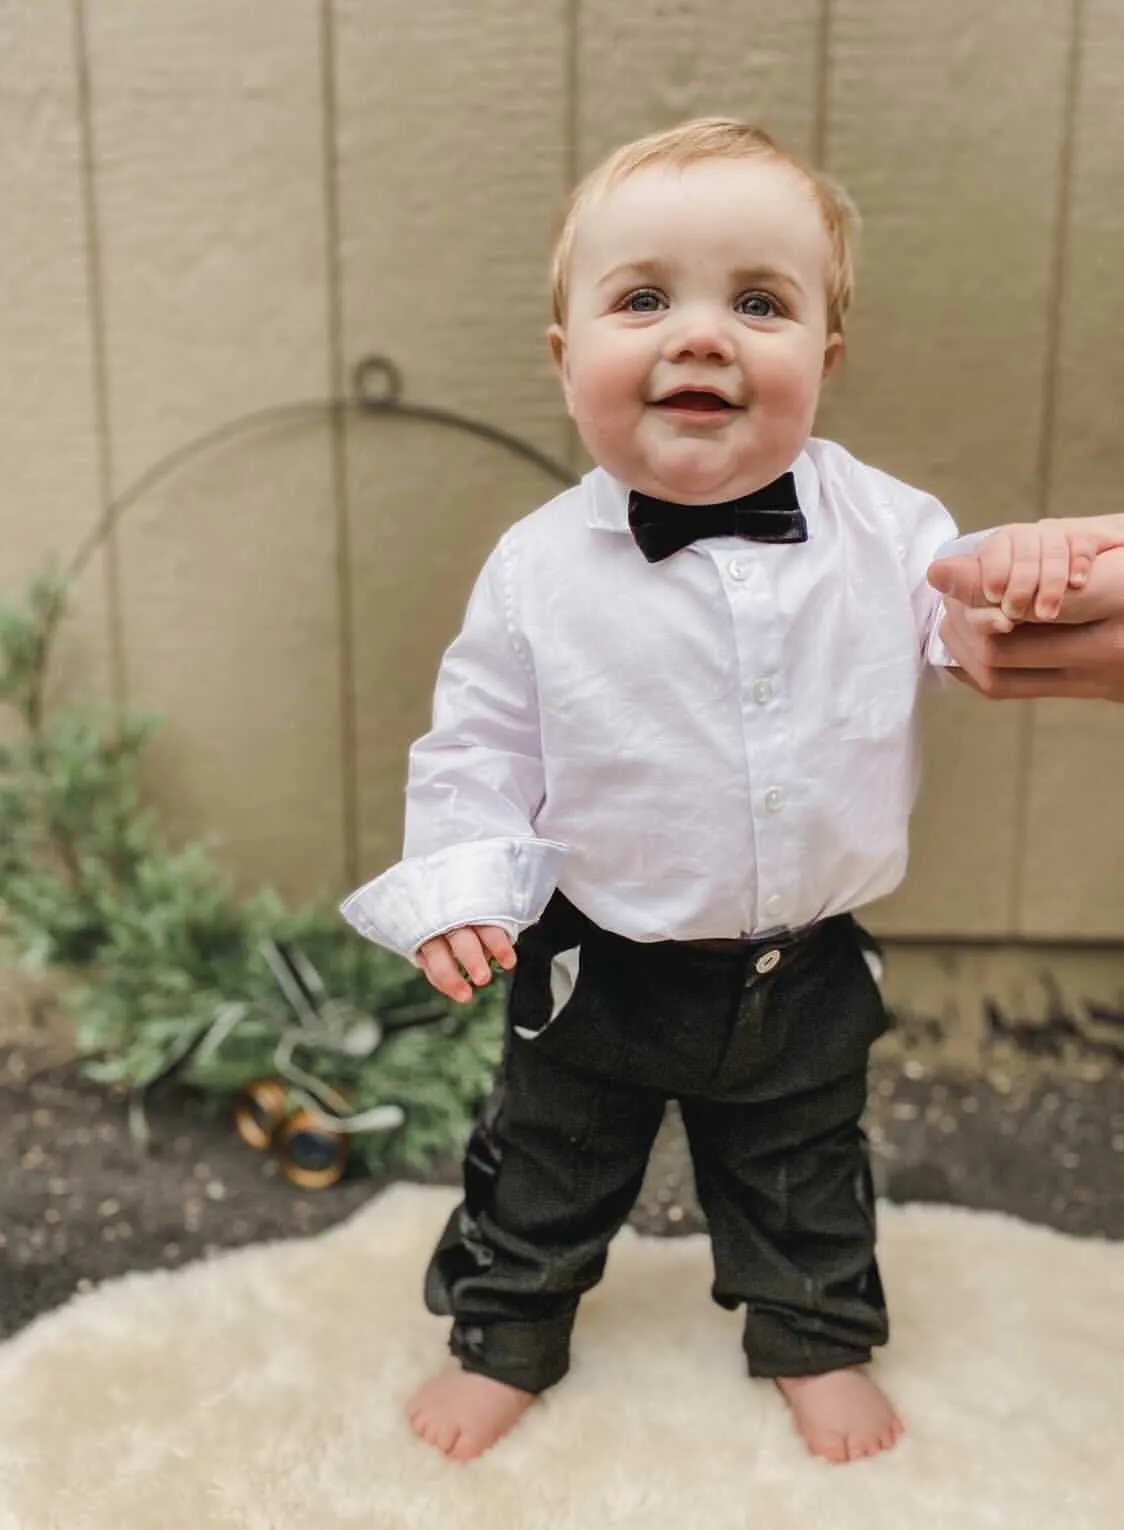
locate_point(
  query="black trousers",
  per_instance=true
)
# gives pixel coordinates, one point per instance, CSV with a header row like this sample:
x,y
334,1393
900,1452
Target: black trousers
x,y
765,1046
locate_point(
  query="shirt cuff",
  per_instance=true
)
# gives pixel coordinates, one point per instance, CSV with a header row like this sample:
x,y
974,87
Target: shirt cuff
x,y
961,546
937,655
507,882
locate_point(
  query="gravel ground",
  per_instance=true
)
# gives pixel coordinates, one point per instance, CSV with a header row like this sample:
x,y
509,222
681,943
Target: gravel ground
x,y
1042,1138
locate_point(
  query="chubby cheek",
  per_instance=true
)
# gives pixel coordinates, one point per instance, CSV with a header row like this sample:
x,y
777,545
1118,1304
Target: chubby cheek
x,y
605,383
788,393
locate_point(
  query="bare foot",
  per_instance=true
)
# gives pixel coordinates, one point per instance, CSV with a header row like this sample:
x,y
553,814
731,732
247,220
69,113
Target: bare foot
x,y
464,1414
842,1415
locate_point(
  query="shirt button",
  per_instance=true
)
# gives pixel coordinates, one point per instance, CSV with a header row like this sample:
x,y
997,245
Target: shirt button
x,y
774,799
736,569
767,961
773,903
762,691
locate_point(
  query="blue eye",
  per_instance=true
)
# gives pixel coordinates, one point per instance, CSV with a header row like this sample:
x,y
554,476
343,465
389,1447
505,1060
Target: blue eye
x,y
757,305
646,300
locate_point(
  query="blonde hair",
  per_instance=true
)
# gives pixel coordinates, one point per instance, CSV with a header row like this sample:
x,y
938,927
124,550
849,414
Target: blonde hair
x,y
716,138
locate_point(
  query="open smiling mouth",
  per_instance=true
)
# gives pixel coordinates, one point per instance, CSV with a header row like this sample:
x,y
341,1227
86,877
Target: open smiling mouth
x,y
696,401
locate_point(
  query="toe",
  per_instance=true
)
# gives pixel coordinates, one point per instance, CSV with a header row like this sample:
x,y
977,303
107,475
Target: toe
x,y
833,1447
418,1406
435,1433
465,1448
862,1446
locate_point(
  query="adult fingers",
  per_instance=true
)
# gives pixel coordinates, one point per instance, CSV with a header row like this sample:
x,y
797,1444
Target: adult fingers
x,y
1031,684
1053,646
980,644
964,629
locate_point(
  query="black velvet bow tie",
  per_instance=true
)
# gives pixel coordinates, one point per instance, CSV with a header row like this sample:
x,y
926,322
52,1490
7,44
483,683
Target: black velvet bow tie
x,y
771,514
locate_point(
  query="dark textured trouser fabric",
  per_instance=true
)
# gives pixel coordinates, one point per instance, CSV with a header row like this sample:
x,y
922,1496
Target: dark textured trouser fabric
x,y
769,1069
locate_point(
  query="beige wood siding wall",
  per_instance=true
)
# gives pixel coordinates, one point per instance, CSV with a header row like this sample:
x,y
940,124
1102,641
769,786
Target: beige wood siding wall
x,y
207,209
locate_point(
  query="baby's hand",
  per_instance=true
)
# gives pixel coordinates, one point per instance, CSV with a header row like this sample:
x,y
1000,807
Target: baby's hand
x,y
443,958
1026,570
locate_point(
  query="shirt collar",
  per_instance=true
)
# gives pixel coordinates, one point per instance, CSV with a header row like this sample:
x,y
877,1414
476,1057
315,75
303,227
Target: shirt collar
x,y
606,497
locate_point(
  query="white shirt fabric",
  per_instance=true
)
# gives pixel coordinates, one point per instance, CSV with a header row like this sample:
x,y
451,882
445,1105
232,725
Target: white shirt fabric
x,y
720,744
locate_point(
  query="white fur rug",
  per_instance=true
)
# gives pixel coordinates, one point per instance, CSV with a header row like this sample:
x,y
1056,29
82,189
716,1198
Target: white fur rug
x,y
261,1390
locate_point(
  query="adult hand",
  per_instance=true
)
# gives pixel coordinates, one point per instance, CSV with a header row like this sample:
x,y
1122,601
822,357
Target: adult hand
x,y
455,961
1081,654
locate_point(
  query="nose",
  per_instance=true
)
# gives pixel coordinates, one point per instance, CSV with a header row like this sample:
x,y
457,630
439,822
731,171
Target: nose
x,y
702,334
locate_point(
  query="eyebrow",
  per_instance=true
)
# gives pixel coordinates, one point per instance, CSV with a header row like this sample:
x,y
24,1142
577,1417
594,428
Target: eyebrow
x,y
770,276
645,270
654,270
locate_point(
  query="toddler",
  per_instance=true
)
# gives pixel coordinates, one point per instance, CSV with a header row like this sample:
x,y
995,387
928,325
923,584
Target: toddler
x,y
672,753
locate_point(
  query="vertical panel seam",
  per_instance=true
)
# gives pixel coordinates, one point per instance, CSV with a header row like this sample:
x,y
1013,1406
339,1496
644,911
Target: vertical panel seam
x,y
341,499
571,159
99,351
1058,277
571,163
821,84
1059,260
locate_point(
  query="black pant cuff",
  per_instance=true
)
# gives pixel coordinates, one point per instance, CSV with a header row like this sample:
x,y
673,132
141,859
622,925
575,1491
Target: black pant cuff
x,y
530,1356
808,1360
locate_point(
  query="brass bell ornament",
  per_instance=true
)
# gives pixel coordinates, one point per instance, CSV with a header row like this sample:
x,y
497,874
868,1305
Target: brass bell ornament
x,y
312,1155
259,1110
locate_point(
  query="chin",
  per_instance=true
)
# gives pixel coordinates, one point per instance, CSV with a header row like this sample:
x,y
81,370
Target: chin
x,y
702,481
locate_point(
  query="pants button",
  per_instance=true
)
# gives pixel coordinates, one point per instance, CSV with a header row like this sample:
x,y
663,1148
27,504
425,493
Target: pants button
x,y
767,961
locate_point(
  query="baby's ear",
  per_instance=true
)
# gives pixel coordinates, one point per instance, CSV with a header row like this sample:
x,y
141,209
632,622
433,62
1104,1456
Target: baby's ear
x,y
556,343
833,353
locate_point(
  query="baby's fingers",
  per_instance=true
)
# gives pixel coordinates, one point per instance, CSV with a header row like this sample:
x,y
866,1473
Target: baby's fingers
x,y
1019,549
497,943
995,558
442,966
470,953
1083,550
1056,569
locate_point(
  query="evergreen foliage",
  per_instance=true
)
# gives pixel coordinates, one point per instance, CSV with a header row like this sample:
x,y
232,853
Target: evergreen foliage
x,y
155,946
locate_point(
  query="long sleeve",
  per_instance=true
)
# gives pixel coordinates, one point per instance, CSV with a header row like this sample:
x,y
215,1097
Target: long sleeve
x,y
937,654
474,788
932,528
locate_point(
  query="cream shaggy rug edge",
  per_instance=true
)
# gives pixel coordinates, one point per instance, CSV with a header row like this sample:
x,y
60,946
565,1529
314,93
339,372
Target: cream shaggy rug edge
x,y
262,1390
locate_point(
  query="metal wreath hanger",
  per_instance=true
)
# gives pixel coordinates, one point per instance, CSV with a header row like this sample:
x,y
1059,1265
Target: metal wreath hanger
x,y
322,1118
376,393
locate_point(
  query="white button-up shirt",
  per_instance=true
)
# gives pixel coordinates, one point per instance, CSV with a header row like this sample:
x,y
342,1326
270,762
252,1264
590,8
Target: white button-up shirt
x,y
720,744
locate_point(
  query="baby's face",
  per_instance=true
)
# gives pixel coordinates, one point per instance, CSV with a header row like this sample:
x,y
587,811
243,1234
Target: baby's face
x,y
695,343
